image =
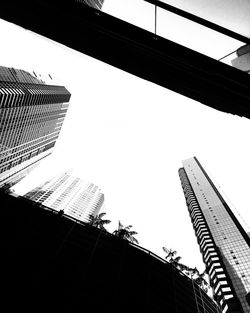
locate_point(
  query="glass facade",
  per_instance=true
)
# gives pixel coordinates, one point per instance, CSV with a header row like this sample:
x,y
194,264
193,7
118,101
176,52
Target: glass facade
x,y
71,194
224,244
97,4
31,117
242,61
86,267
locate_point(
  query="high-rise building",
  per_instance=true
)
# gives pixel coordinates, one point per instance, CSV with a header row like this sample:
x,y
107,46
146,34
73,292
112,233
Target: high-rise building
x,y
224,244
31,117
242,61
69,193
97,4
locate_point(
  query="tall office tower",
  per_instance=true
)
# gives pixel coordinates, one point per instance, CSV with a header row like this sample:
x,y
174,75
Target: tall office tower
x,y
31,117
97,4
224,244
69,193
242,61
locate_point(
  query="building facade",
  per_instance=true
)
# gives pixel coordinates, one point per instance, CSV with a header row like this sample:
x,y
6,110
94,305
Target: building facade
x,y
242,61
31,117
71,194
97,4
224,244
76,268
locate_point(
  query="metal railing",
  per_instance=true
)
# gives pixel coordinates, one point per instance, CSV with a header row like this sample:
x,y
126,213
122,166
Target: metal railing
x,y
169,22
199,20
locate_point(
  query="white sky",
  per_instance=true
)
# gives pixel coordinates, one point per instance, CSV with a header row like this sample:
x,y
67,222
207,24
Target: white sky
x,y
129,137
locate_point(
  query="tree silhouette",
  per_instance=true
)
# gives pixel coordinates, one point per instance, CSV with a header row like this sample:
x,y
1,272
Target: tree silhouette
x,y
125,233
173,259
201,281
60,213
6,188
170,254
98,221
193,273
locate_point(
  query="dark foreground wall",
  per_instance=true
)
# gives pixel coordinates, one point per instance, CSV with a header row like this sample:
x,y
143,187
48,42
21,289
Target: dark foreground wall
x,y
52,263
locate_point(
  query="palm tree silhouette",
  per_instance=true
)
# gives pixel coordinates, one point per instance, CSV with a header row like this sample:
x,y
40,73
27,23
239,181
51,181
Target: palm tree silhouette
x,y
173,259
6,188
201,281
170,254
125,233
98,221
193,273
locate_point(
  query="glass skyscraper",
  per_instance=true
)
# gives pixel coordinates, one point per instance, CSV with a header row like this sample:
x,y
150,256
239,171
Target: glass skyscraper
x,y
31,117
69,193
224,244
242,61
97,4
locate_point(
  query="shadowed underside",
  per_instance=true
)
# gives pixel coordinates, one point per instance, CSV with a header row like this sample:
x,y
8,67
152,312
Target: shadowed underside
x,y
134,50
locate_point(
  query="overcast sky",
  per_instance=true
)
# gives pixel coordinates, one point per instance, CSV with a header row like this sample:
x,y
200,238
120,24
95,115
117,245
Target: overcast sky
x,y
129,136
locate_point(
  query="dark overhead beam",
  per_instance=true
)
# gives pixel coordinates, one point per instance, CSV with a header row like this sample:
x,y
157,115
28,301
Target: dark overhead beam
x,y
135,51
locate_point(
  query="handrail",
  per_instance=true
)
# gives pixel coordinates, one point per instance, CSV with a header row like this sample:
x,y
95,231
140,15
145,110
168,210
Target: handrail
x,y
200,20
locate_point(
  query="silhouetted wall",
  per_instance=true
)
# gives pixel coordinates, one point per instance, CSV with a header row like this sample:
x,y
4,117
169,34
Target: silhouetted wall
x,y
53,263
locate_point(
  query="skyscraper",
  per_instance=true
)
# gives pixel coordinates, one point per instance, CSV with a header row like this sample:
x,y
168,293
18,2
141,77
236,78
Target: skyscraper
x,y
97,4
242,61
69,193
31,117
224,244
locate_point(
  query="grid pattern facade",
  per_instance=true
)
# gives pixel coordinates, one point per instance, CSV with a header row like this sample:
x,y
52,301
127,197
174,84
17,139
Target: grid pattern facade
x,y
155,286
97,4
71,194
224,244
204,304
31,117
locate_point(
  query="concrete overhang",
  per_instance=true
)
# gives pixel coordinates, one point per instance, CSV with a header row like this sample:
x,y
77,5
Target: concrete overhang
x,y
135,51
